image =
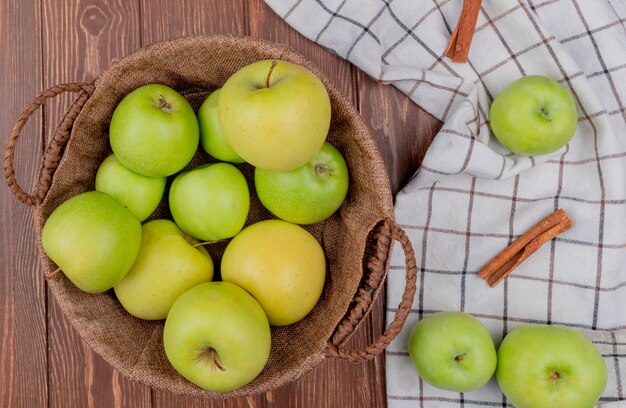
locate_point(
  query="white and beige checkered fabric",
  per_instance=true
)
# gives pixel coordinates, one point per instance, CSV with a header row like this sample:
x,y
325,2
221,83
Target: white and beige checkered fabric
x,y
470,197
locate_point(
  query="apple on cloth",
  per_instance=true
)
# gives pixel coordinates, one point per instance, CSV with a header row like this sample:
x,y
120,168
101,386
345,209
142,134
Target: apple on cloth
x,y
551,366
471,196
534,115
453,351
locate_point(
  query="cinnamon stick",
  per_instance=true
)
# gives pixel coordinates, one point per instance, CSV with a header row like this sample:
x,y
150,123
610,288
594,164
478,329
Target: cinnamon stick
x,y
522,248
461,38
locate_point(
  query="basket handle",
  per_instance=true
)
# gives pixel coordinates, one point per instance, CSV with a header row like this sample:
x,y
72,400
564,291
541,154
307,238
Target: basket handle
x,y
54,151
371,351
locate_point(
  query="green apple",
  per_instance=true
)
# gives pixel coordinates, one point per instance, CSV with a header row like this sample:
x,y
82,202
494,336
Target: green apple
x,y
210,202
211,135
274,114
141,195
154,131
281,265
550,366
308,194
93,239
217,336
534,115
167,265
452,351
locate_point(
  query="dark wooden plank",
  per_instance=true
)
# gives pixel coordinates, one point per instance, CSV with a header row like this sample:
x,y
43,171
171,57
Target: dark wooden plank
x,y
22,290
402,129
168,19
23,359
80,38
332,384
403,132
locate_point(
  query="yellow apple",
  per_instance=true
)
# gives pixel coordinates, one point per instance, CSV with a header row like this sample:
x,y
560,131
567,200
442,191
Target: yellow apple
x,y
167,265
281,265
274,114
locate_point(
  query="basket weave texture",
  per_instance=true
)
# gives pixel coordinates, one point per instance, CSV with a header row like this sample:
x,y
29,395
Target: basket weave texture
x,y
355,239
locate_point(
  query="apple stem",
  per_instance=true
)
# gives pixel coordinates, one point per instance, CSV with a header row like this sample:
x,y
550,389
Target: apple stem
x,y
267,80
458,358
163,104
555,375
210,354
215,359
209,242
322,169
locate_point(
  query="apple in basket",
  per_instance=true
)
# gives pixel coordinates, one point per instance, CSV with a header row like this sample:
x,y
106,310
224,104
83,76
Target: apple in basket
x,y
307,194
274,114
281,264
211,136
154,131
452,351
210,202
550,366
217,336
533,115
167,265
141,195
93,239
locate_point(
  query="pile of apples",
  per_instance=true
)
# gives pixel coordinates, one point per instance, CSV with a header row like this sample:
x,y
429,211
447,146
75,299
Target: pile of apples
x,y
274,115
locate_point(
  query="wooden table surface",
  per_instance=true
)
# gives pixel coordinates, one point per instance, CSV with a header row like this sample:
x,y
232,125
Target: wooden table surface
x,y
43,362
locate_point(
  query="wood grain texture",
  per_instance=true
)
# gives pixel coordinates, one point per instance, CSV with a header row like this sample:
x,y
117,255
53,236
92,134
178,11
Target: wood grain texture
x,y
403,130
169,19
74,40
80,38
23,360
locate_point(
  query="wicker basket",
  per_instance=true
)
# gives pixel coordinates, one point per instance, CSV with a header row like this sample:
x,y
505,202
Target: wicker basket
x,y
357,240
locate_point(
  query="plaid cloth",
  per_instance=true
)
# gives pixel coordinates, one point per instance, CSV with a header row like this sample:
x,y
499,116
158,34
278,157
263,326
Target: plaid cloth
x,y
471,197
